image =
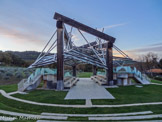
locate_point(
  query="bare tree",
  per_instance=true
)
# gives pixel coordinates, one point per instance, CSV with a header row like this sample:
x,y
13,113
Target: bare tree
x,y
148,61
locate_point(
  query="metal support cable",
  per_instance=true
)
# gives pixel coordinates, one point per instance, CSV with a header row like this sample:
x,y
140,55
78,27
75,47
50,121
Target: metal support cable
x,y
51,48
121,51
47,44
91,46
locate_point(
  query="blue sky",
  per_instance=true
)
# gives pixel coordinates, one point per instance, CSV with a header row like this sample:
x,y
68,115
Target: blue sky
x,y
136,24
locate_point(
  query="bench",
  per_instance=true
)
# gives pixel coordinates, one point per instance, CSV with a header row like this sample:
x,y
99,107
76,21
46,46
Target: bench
x,y
99,79
70,82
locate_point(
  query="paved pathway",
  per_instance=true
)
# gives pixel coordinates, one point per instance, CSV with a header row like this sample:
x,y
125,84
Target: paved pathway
x,y
6,118
156,84
98,115
127,117
76,106
32,116
7,95
57,116
17,92
88,89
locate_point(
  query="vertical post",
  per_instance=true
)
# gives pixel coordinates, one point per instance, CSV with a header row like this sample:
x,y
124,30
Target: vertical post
x,y
74,71
109,63
60,56
94,68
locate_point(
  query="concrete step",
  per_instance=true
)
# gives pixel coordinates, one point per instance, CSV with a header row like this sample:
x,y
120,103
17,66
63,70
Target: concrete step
x,y
98,115
32,116
127,117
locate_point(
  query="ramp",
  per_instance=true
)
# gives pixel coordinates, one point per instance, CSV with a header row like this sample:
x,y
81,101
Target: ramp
x,y
87,89
142,81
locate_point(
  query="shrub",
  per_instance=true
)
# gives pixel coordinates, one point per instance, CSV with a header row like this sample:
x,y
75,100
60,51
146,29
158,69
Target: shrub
x,y
158,78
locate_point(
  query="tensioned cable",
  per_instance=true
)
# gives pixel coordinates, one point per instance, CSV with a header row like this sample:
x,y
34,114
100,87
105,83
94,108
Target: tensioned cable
x,y
90,46
119,50
47,44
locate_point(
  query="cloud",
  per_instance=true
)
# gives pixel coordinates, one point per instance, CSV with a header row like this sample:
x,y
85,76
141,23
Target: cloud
x,y
112,26
155,48
156,44
150,48
19,35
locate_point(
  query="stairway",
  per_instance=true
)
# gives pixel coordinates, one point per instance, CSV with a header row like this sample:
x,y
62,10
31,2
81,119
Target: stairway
x,y
34,79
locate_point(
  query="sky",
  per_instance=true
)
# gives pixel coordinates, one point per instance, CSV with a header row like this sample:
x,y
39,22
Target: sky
x,y
27,25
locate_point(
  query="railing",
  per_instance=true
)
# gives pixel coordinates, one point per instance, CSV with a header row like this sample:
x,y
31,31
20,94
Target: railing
x,y
34,76
127,69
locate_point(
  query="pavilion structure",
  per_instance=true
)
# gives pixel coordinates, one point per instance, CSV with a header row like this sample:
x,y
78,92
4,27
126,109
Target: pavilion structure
x,y
98,53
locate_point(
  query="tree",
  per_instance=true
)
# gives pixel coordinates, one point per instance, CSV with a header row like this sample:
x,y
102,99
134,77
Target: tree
x,y
148,61
160,63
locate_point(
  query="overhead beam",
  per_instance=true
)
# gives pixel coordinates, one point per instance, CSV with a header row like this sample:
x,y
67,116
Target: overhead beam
x,y
87,45
83,27
104,45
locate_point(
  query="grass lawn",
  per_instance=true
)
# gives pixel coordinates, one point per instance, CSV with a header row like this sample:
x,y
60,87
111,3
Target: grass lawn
x,y
156,81
12,105
132,94
84,74
9,88
49,96
123,95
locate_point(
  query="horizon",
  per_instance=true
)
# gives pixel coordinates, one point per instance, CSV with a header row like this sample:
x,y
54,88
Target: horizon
x,y
136,25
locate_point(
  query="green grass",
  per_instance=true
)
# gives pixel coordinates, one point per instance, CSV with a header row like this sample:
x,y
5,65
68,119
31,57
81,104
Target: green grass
x,y
129,94
77,119
37,109
85,75
156,81
123,95
132,94
49,96
9,88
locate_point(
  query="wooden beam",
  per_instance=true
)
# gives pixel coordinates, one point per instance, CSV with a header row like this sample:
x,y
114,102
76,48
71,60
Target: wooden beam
x,y
87,45
60,56
109,63
83,27
94,68
104,45
74,71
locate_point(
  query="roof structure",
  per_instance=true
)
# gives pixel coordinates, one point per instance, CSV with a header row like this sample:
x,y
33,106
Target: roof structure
x,y
92,52
98,53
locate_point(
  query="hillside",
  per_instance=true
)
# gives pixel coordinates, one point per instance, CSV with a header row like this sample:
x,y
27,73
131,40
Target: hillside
x,y
26,55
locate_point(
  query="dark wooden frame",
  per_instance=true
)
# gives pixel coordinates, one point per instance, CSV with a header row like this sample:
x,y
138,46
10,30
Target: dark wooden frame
x,y
60,56
83,27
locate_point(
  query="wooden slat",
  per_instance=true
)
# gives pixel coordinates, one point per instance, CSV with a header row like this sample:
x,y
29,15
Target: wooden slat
x,y
83,27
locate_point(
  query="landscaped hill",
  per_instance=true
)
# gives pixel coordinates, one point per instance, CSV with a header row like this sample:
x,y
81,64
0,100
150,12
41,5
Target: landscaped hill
x,y
26,55
16,58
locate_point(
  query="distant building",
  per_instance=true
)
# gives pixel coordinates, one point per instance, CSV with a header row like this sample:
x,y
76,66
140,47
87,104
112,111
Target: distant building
x,y
155,72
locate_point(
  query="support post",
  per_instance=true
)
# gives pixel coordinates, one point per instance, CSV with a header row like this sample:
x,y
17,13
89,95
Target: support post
x,y
94,68
74,71
109,63
60,56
